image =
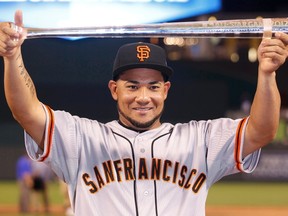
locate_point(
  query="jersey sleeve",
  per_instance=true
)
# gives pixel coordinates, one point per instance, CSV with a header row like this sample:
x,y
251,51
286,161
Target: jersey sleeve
x,y
60,144
249,163
32,148
225,139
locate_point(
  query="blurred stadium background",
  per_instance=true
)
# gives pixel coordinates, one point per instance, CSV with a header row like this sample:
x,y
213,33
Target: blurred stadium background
x,y
219,76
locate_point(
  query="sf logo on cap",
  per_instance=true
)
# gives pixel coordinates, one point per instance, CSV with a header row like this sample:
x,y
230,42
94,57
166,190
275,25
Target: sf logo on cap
x,y
143,52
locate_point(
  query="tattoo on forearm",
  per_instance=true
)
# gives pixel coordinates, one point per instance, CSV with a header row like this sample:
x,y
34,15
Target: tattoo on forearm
x,y
28,81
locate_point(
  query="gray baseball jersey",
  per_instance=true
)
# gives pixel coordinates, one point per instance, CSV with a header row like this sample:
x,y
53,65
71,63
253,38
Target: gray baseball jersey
x,y
112,170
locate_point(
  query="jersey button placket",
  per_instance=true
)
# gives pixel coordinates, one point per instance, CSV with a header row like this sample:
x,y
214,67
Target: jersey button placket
x,y
141,145
145,188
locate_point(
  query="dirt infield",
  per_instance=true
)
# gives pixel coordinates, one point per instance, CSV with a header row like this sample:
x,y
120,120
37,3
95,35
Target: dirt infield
x,y
247,211
11,210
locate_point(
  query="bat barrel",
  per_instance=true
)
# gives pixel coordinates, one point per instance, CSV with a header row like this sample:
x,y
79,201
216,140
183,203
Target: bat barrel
x,y
249,28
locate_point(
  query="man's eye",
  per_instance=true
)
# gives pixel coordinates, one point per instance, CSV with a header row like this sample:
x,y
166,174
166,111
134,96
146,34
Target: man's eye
x,y
154,87
132,87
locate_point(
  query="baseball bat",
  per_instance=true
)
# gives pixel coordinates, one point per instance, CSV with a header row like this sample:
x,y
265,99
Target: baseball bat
x,y
241,28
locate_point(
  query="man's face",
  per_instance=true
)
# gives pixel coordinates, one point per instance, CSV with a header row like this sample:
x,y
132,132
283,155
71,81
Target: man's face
x,y
140,94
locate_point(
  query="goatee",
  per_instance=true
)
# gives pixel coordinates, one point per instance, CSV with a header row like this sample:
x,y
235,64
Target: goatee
x,y
137,124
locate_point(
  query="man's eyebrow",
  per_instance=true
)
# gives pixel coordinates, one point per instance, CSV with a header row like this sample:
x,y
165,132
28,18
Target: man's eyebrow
x,y
132,81
155,82
137,82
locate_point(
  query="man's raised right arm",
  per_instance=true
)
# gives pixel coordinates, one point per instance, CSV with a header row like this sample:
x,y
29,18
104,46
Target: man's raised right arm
x,y
19,88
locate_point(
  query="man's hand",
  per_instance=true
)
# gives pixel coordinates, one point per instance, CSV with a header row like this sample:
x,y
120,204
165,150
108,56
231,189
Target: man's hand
x,y
272,53
11,39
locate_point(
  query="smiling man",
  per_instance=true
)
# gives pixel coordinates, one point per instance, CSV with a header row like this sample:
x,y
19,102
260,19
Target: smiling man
x,y
140,85
140,94
138,165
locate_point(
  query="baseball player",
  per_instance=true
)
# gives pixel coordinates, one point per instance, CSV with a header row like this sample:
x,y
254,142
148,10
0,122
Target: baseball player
x,y
138,165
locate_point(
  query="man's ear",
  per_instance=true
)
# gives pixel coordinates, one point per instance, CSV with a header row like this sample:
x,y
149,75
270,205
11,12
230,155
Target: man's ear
x,y
167,86
113,89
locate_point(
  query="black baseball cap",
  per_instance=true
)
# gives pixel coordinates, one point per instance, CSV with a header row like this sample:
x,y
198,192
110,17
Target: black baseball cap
x,y
141,55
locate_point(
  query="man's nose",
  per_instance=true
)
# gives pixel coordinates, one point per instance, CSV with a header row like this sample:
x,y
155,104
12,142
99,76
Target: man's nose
x,y
143,95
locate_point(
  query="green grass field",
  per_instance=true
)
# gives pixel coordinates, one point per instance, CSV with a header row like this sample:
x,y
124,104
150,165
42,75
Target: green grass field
x,y
249,194
9,193
221,194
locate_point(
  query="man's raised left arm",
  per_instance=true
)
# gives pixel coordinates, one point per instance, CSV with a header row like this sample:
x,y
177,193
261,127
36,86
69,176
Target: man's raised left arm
x,y
265,110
